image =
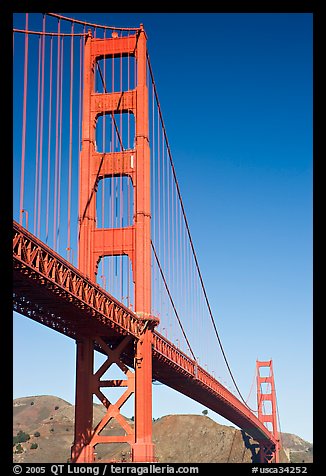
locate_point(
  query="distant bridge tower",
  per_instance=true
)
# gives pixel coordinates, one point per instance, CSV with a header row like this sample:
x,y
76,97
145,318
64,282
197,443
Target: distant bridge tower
x,y
133,241
267,411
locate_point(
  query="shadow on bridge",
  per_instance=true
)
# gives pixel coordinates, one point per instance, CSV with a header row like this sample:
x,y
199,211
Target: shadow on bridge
x,y
252,446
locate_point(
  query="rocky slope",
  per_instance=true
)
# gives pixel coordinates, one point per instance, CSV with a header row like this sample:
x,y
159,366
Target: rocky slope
x,y
49,422
297,449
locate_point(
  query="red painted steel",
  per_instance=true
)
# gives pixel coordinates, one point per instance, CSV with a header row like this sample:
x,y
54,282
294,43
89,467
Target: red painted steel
x,y
134,241
87,437
40,273
268,452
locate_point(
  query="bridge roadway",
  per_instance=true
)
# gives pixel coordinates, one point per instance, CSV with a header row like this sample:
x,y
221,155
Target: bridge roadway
x,y
51,291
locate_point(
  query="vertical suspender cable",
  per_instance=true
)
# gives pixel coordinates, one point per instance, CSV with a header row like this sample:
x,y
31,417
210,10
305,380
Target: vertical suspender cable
x,y
103,180
37,134
129,221
70,141
176,245
191,293
60,143
159,201
41,134
121,192
174,282
154,191
128,147
162,260
104,151
22,174
154,161
49,146
112,177
80,106
55,191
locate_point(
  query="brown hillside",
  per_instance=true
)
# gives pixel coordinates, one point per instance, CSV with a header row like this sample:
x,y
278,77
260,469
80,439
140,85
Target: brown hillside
x,y
30,412
298,450
177,438
198,439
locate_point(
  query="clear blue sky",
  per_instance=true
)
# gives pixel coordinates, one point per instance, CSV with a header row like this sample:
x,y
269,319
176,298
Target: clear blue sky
x,y
236,95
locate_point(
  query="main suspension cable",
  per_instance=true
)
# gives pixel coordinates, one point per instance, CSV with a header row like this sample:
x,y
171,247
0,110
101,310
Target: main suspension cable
x,y
105,27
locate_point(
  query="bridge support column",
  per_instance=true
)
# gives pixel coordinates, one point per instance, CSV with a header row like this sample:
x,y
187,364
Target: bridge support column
x,y
82,451
89,383
268,452
143,448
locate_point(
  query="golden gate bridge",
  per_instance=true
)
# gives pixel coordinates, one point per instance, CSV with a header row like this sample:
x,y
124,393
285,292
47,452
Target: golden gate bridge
x,y
102,249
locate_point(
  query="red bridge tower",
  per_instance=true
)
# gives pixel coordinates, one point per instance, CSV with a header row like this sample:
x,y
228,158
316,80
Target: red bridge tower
x,y
266,393
133,241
